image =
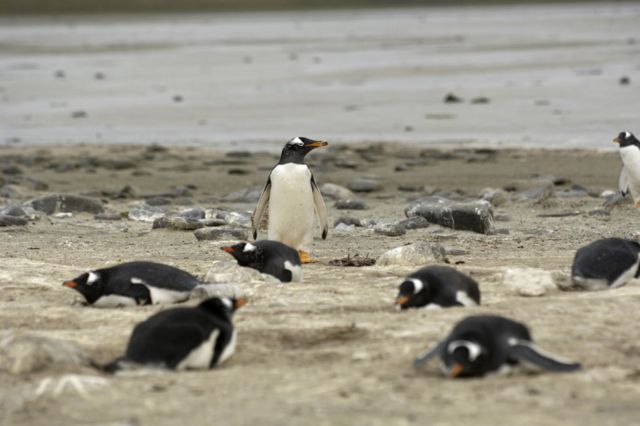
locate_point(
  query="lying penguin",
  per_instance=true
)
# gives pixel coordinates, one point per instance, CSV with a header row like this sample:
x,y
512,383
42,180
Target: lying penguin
x,y
134,283
291,196
269,257
437,287
629,182
483,344
606,263
183,338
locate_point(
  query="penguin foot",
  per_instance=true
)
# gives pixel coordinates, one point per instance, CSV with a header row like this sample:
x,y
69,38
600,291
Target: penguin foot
x,y
305,257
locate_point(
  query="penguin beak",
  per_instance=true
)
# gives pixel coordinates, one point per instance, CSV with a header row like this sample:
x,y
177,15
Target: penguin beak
x,y
617,140
316,144
70,284
227,249
456,370
401,300
240,302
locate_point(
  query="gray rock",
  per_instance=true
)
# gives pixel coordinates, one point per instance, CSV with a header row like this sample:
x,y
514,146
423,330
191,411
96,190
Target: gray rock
x,y
249,195
221,233
6,220
496,197
10,191
530,282
455,251
336,192
364,185
182,223
350,204
27,353
66,203
415,222
420,253
194,213
575,191
205,291
108,216
389,229
13,211
343,227
349,221
230,218
476,216
158,201
142,212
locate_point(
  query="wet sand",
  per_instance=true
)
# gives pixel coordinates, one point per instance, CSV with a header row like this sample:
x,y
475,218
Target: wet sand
x,y
330,350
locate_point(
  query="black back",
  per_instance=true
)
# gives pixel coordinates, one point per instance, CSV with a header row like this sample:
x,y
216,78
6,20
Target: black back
x,y
269,257
626,139
440,286
606,259
296,149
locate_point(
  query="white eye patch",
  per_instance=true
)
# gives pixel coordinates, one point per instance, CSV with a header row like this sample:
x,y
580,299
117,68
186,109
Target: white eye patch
x,y
92,278
296,141
627,134
474,349
227,302
417,285
249,247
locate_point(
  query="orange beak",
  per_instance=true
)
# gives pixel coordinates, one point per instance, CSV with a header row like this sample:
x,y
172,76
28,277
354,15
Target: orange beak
x,y
456,370
617,140
70,284
227,249
317,144
240,302
401,300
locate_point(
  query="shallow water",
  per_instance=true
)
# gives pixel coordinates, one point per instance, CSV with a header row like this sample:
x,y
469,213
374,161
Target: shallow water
x,y
253,80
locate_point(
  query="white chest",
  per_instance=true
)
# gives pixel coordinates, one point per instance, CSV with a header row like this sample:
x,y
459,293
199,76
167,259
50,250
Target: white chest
x,y
630,156
290,177
200,357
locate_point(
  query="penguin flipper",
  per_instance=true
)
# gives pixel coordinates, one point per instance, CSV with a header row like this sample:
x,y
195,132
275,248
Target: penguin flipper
x,y
427,355
623,183
527,351
263,202
321,208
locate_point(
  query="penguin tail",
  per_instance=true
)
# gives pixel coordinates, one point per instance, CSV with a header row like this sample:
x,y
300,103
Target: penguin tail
x,y
113,367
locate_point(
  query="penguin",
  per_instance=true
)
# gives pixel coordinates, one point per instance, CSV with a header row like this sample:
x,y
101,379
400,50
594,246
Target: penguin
x,y
436,287
629,182
606,263
482,344
291,196
269,257
134,283
201,337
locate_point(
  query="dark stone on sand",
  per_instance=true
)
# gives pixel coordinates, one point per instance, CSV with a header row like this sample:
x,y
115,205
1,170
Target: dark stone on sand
x,y
158,201
12,170
108,216
35,184
350,205
13,211
79,114
67,203
238,154
451,98
624,80
364,185
221,233
480,100
7,220
415,222
238,172
10,191
411,187
99,76
249,195
476,216
348,220
389,229
194,213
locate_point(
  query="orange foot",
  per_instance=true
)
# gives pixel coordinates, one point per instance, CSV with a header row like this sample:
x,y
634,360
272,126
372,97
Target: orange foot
x,y
305,257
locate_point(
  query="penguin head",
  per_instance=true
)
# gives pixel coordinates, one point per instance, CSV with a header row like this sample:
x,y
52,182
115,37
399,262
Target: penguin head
x,y
246,254
464,358
626,139
411,293
90,285
222,307
297,148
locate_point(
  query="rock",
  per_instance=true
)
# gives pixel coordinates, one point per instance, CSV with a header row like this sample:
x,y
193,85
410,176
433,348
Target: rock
x,y
13,211
455,251
27,353
529,282
343,227
10,191
6,220
221,233
157,201
350,204
451,98
193,213
228,271
231,218
574,192
66,203
143,212
420,253
108,216
389,229
364,185
348,220
411,187
415,222
11,170
536,194
249,195
79,114
181,223
336,192
496,197
205,291
480,100
35,184
476,216
624,80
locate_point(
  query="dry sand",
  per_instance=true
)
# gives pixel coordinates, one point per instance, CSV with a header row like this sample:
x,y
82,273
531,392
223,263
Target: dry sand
x,y
330,350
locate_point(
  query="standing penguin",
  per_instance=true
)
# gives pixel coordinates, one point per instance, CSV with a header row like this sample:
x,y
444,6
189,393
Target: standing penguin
x,y
183,338
606,263
481,344
629,181
269,257
134,283
437,287
292,196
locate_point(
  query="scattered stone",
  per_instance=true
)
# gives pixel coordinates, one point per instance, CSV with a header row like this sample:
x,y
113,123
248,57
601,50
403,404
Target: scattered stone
x,y
228,271
182,223
143,212
60,74
27,353
35,184
108,216
79,114
451,98
415,222
336,192
7,220
476,216
364,185
502,218
420,253
242,219
411,187
575,191
99,76
249,195
177,98
480,100
349,221
561,214
194,213
158,201
496,197
10,191
343,227
389,229
529,282
66,203
455,251
62,215
205,291
221,233
238,172
13,211
624,80
356,261
350,204
12,170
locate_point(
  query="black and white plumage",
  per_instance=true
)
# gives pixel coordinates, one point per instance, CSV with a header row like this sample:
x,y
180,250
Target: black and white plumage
x,y
134,283
437,287
269,257
483,344
629,182
606,263
293,199
183,338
